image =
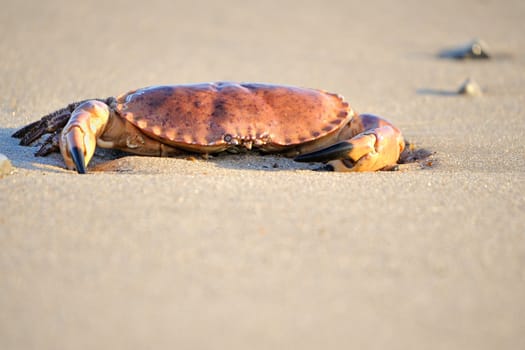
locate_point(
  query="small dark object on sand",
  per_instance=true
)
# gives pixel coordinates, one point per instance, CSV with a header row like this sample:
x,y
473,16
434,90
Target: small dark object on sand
x,y
476,49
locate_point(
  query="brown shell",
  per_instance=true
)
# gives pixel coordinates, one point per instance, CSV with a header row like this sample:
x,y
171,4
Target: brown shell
x,y
215,114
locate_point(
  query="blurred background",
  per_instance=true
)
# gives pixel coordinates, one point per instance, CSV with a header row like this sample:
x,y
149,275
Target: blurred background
x,y
98,48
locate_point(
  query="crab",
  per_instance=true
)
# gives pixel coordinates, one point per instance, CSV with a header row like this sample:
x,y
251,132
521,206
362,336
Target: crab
x,y
208,118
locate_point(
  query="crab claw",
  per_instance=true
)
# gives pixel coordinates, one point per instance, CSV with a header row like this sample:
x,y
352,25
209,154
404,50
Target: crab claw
x,y
340,150
78,139
376,146
74,149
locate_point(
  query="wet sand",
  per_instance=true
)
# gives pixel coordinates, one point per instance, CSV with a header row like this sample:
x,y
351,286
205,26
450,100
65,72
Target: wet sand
x,y
233,252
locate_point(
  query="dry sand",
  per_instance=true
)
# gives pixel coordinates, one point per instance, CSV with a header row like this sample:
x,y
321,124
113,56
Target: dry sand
x,y
233,253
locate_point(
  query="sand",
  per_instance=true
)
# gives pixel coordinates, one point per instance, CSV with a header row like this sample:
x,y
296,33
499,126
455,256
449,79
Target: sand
x,y
233,253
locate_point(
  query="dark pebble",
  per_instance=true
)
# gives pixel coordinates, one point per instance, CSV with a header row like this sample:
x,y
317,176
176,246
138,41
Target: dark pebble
x,y
476,49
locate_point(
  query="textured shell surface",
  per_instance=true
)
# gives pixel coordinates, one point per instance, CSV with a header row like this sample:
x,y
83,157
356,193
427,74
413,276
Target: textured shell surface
x,y
232,113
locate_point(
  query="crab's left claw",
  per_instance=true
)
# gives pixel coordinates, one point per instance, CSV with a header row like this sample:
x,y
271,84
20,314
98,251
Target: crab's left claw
x,y
74,149
78,139
377,145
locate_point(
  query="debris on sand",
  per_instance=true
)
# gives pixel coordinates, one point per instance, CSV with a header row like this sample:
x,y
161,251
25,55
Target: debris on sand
x,y
470,88
476,49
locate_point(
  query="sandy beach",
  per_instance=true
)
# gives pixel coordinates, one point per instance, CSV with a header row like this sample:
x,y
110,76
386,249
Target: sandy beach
x,y
250,252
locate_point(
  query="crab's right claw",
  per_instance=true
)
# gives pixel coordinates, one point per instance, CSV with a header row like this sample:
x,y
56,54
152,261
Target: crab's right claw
x,y
79,137
375,148
340,150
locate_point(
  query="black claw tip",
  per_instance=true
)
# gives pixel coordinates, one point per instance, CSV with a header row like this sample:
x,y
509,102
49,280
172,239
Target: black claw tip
x,y
78,159
338,151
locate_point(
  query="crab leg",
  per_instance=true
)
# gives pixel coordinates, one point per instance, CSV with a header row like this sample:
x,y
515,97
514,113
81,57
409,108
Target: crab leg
x,y
78,139
370,143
